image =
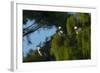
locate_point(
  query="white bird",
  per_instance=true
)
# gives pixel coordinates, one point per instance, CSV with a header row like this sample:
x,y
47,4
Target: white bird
x,y
38,49
59,27
75,27
78,30
61,32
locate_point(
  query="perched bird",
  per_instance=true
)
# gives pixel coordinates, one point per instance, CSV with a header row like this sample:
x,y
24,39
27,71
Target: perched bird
x,y
59,27
38,49
59,31
77,29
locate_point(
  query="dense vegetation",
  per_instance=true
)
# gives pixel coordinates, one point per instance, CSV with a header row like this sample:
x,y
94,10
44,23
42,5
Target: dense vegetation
x,y
72,41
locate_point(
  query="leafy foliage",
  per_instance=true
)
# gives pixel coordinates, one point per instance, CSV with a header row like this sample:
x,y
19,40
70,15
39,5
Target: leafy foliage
x,y
82,21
